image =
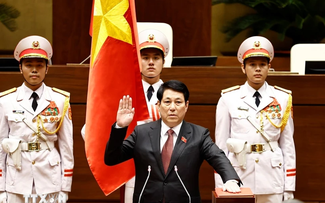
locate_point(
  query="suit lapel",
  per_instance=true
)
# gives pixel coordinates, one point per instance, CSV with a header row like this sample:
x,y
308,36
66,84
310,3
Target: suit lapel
x,y
268,98
247,98
44,101
24,102
154,135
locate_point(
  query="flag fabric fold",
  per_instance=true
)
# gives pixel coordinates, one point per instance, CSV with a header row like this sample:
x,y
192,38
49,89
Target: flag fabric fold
x,y
114,72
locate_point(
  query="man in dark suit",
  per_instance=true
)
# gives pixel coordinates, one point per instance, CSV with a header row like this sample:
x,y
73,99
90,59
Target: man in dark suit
x,y
167,153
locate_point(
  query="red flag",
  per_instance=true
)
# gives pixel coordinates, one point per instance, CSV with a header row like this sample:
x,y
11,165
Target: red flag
x,y
114,72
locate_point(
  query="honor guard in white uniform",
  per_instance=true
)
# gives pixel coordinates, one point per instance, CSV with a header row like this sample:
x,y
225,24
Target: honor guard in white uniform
x,y
254,127
32,118
154,47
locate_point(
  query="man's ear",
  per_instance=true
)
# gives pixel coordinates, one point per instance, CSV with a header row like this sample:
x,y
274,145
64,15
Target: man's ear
x,y
20,68
187,105
243,68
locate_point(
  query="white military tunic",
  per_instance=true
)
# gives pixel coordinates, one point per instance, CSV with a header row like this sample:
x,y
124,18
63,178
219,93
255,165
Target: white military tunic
x,y
267,172
49,171
152,107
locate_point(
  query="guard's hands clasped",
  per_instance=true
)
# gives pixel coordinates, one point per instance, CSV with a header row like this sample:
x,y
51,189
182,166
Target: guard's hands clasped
x,y
231,186
125,112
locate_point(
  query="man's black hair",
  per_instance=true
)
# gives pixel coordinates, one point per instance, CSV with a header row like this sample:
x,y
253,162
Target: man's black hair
x,y
175,85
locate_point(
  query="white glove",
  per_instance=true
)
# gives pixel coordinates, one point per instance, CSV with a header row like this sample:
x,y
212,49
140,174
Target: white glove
x,y
63,197
83,131
287,195
231,186
3,197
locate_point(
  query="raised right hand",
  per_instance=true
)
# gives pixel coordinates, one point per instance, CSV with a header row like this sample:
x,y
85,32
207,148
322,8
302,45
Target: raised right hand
x,y
125,112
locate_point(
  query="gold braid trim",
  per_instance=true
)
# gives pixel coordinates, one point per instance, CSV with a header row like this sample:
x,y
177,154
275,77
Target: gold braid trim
x,y
8,91
286,115
65,108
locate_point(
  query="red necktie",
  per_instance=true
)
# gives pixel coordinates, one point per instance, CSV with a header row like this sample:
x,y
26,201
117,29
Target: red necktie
x,y
167,150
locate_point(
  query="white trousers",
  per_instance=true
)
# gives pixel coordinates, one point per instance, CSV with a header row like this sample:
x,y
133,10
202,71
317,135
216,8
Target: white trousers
x,y
129,190
270,198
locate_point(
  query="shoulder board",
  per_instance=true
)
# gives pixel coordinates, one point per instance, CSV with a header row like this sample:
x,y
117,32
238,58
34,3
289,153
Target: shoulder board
x,y
282,89
230,89
67,94
8,91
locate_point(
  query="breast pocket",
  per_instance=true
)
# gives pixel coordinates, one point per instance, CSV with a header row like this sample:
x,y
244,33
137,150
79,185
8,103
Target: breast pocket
x,y
16,124
239,123
15,118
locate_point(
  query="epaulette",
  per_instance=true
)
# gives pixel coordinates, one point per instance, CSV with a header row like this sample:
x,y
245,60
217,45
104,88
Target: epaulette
x,y
230,89
8,91
65,93
282,89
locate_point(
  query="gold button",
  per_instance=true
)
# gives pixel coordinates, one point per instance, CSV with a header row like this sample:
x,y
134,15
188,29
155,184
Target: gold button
x,y
33,162
280,164
34,120
256,160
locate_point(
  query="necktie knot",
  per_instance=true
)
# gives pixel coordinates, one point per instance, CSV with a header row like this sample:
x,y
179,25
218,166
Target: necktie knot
x,y
34,95
34,103
149,93
257,99
170,132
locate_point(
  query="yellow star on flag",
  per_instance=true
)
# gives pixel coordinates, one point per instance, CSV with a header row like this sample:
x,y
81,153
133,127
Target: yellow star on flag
x,y
109,20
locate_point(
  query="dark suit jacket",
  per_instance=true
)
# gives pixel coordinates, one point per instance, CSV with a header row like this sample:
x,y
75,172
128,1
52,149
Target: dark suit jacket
x,y
143,145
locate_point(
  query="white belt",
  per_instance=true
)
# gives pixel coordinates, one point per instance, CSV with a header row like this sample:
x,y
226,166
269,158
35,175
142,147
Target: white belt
x,y
36,146
262,147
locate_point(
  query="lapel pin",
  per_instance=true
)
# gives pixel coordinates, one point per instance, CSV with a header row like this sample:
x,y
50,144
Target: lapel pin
x,y
184,139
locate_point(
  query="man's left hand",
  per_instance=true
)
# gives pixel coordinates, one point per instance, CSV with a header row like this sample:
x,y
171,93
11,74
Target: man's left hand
x,y
231,186
287,195
63,197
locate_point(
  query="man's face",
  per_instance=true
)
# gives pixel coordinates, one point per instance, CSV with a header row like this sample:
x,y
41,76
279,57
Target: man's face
x,y
152,62
256,70
172,107
34,71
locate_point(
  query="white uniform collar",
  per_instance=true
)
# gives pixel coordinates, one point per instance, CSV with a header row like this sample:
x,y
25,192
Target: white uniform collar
x,y
155,86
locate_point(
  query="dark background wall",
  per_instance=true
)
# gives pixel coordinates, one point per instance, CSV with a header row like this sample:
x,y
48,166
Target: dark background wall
x,y
190,20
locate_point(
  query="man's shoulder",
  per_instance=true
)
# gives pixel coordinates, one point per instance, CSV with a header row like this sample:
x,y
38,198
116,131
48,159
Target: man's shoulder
x,y
151,124
8,92
230,89
280,89
194,126
61,92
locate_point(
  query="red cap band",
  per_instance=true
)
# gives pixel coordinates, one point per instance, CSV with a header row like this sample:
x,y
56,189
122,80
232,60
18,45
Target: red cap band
x,y
256,53
33,53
